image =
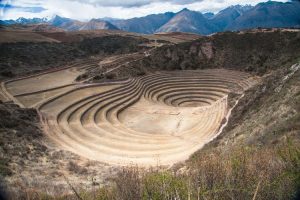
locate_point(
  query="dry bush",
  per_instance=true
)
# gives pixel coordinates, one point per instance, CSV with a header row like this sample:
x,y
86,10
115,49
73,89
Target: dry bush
x,y
74,167
128,184
165,185
240,173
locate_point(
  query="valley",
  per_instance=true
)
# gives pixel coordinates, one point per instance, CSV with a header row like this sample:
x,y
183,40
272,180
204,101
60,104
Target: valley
x,y
116,111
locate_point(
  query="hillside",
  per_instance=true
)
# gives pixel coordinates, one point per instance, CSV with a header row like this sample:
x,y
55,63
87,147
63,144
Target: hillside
x,y
53,49
250,51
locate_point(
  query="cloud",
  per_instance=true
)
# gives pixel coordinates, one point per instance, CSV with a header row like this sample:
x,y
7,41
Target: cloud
x,y
131,3
21,8
87,9
117,3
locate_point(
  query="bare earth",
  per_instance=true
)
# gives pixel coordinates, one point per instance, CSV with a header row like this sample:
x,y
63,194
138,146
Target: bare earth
x,y
160,118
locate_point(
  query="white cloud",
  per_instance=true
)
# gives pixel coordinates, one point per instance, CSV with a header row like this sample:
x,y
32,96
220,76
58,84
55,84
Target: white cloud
x,y
87,9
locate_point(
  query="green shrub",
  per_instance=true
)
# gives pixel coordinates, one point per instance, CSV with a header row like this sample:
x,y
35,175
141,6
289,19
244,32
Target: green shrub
x,y
164,185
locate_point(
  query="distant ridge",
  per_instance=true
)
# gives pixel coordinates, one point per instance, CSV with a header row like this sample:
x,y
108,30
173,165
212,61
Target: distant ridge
x,y
148,24
188,21
95,24
75,25
266,15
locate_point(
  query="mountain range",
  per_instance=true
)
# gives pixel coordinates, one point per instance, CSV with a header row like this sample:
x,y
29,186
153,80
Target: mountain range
x,y
75,25
267,15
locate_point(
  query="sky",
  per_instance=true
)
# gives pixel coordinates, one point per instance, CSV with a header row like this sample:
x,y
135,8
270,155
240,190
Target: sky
x,y
87,9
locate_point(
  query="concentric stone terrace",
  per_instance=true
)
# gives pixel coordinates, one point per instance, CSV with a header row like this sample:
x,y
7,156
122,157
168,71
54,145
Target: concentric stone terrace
x,y
161,118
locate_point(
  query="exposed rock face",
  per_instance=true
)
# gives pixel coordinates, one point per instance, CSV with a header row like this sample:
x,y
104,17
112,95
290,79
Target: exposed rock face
x,y
255,52
207,50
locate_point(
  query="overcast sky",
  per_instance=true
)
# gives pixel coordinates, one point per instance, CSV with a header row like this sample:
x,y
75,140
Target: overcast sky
x,y
87,9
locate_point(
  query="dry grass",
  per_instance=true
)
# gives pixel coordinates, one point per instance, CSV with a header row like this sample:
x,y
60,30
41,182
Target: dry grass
x,y
241,173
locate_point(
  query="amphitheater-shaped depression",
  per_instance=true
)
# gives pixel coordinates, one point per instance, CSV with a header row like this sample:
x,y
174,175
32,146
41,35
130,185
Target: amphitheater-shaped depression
x,y
161,118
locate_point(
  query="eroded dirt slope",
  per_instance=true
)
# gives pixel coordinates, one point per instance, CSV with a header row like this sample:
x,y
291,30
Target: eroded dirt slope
x,y
269,113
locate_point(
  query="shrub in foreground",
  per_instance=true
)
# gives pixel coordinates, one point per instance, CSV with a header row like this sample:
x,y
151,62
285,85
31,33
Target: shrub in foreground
x,y
238,173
